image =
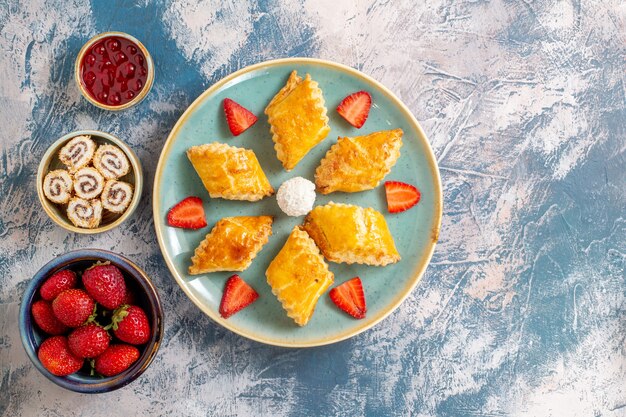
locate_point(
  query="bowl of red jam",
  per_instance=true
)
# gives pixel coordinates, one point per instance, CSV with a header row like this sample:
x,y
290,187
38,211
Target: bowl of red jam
x,y
114,71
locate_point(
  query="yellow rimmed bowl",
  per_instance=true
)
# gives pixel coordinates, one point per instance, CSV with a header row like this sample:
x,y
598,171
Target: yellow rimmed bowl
x,y
50,162
85,49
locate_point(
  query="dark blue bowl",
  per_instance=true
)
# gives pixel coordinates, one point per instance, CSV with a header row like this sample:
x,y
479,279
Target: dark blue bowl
x,y
147,298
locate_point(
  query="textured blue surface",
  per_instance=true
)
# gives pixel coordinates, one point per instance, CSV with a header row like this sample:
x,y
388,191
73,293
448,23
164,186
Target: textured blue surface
x,y
522,311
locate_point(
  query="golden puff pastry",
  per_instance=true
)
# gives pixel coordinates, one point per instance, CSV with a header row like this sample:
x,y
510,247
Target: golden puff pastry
x,y
229,172
358,163
298,120
232,244
298,276
351,234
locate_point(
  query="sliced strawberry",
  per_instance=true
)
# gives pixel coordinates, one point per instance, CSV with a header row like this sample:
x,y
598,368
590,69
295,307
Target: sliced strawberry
x,y
238,117
188,214
350,297
355,108
401,196
237,296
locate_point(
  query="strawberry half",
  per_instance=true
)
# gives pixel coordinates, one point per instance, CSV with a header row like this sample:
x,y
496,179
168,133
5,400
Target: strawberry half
x,y
238,117
355,108
237,296
401,196
188,214
350,297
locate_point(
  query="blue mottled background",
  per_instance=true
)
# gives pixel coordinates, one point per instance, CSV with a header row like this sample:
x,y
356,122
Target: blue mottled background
x,y
522,310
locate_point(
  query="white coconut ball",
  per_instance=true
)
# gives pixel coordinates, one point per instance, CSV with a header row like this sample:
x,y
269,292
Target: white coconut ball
x,y
296,196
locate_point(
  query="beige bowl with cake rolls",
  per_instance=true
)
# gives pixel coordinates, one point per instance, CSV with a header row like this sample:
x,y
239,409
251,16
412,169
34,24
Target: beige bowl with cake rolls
x,y
89,181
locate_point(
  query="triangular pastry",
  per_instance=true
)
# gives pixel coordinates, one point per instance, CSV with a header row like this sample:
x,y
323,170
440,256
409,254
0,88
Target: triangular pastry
x,y
232,244
298,276
358,163
351,234
297,118
229,172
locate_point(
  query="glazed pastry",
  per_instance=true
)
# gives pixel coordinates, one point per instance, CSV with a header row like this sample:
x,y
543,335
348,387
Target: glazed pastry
x,y
83,213
298,120
232,244
57,186
351,234
111,162
116,196
298,276
358,163
78,152
88,183
229,172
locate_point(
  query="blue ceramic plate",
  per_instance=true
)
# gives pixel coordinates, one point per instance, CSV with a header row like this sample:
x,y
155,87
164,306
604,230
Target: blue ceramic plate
x,y
415,231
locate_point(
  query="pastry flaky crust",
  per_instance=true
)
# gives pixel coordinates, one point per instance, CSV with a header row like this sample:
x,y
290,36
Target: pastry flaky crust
x,y
358,163
351,234
229,172
232,244
298,120
298,276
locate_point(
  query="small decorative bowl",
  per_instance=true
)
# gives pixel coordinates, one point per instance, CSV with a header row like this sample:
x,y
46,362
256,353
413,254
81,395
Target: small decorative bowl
x,y
147,298
141,94
50,162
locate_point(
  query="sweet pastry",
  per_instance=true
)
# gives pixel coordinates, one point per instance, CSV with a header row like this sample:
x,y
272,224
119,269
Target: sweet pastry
x,y
116,196
57,186
298,276
111,162
78,152
83,213
229,172
298,120
232,244
351,234
358,163
88,183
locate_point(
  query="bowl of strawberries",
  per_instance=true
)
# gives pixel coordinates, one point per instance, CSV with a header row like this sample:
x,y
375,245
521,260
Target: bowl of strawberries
x,y
91,321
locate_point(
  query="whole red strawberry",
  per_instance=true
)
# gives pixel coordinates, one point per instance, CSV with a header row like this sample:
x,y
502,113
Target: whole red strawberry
x,y
55,355
73,307
116,359
88,341
57,283
130,324
105,283
45,318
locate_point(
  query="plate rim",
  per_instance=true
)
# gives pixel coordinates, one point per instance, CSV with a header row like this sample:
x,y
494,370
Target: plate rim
x,y
432,166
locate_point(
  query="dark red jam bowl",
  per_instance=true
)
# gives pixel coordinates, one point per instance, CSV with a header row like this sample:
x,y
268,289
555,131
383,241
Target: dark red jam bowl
x,y
114,70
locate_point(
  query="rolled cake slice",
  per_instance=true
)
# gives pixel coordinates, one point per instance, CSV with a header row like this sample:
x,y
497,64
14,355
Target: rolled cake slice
x,y
358,163
88,183
85,213
298,276
232,244
351,234
297,118
229,172
77,153
111,162
116,196
58,186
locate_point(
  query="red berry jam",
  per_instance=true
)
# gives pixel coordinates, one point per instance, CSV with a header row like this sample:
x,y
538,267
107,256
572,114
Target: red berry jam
x,y
113,71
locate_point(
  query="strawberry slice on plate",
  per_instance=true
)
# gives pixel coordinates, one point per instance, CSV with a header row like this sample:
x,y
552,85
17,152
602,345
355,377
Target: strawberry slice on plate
x,y
237,296
350,297
355,108
188,214
401,196
238,117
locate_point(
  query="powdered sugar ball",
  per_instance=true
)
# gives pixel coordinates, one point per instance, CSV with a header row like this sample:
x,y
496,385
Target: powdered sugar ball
x,y
296,196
